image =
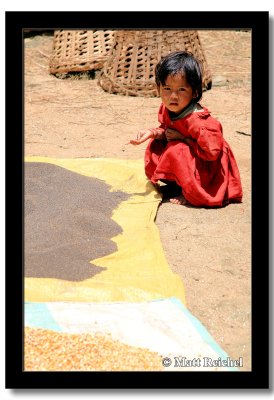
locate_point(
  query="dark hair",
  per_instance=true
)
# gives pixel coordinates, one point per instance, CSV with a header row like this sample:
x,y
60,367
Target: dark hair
x,y
180,62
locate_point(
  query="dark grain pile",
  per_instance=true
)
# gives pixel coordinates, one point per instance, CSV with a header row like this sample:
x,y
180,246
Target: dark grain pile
x,y
67,222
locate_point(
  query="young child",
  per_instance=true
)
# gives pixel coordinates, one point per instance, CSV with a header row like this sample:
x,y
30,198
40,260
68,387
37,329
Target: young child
x,y
187,151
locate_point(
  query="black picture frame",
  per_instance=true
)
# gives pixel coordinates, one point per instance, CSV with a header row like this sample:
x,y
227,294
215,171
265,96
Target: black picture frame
x,y
16,22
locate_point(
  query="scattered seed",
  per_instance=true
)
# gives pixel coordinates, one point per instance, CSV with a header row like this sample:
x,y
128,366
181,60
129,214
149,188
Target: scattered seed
x,y
47,350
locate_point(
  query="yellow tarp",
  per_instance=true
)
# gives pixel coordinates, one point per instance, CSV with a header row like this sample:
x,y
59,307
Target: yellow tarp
x,y
138,270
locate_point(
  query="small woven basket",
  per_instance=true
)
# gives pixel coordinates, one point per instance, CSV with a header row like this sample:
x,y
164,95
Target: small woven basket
x,y
130,67
80,50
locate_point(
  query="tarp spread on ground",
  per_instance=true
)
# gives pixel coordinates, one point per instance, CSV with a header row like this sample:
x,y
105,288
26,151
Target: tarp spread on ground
x,y
136,271
163,326
94,262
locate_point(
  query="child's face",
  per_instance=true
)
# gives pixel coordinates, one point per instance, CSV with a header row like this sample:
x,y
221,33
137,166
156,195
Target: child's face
x,y
176,94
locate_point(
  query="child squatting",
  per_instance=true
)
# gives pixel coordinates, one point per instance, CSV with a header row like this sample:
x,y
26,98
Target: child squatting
x,y
187,153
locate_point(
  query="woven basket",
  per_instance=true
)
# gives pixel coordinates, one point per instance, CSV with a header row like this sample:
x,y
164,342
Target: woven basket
x,y
79,50
129,69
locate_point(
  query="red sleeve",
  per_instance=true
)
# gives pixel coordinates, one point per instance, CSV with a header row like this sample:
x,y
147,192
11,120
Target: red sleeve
x,y
208,138
161,117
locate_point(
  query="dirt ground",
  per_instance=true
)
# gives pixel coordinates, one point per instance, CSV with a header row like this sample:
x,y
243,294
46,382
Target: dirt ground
x,y
209,248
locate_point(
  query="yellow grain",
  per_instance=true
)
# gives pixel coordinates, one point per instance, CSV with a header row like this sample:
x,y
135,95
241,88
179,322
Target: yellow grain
x,y
47,350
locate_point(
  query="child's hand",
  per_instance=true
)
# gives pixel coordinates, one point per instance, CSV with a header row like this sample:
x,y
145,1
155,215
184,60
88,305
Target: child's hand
x,y
141,137
172,134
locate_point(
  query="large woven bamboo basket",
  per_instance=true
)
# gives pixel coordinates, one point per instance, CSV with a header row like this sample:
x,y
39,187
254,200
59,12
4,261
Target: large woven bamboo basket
x,y
130,67
80,50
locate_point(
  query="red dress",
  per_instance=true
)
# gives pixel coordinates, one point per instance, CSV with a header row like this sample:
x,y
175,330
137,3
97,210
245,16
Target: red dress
x,y
205,169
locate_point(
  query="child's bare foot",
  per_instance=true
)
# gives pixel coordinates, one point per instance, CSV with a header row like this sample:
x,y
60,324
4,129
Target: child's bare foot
x,y
179,200
170,190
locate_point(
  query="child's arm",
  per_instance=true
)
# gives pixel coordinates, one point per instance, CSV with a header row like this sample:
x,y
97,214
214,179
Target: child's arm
x,y
172,134
153,133
209,142
205,139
